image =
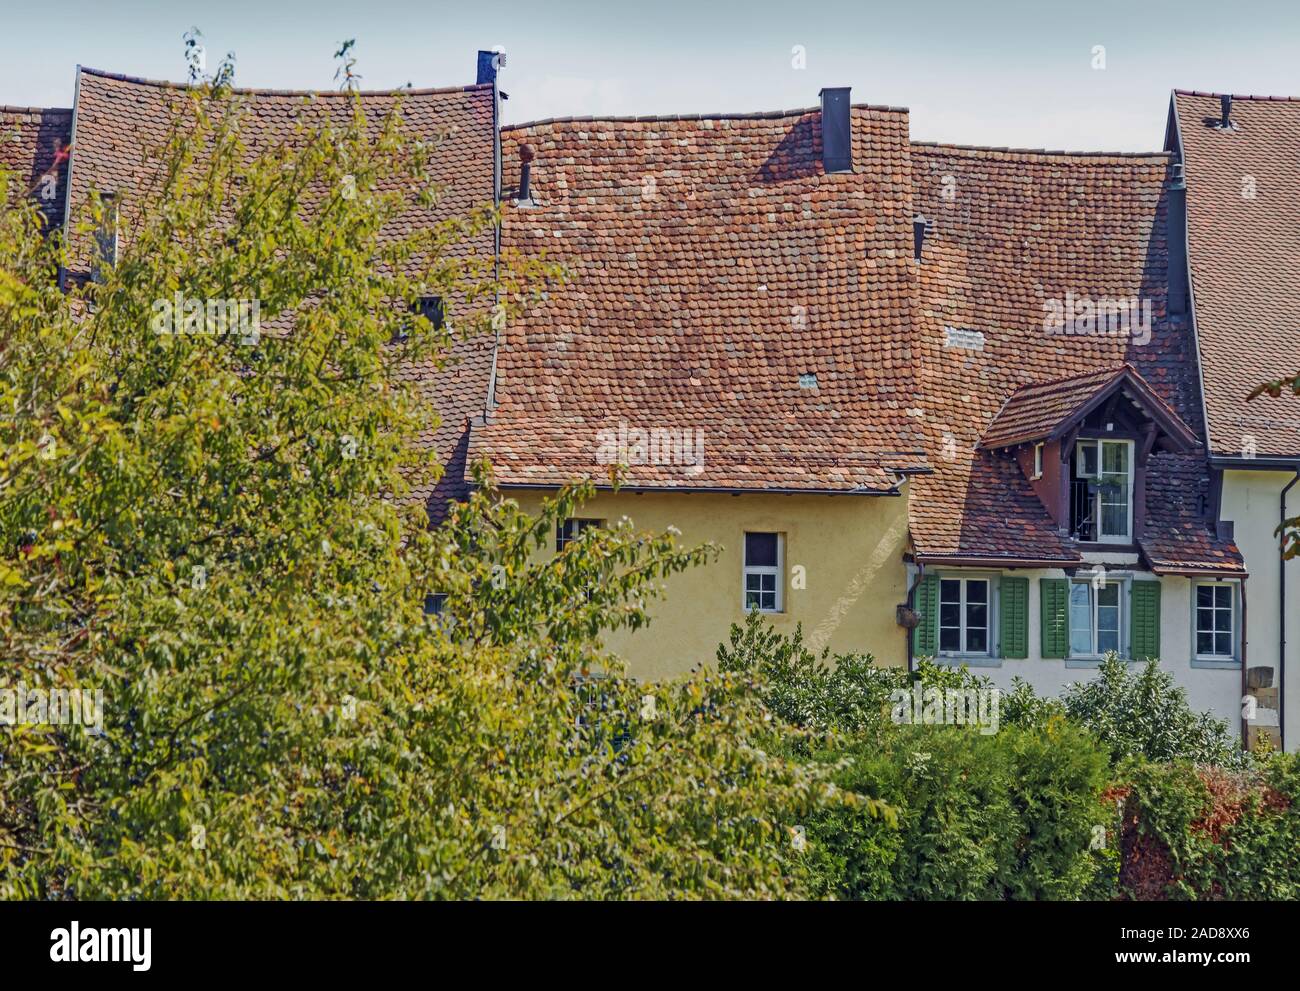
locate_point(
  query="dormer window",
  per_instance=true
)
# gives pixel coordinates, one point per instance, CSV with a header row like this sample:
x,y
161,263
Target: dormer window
x,y
1101,491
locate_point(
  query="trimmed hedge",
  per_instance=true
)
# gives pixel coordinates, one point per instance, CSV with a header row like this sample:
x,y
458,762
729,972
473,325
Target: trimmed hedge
x,y
1207,833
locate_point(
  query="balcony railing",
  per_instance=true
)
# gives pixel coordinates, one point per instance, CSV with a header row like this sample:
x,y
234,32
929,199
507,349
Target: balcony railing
x,y
1083,510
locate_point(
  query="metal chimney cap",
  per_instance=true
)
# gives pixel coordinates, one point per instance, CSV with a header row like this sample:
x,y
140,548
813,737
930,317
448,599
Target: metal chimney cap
x,y
527,152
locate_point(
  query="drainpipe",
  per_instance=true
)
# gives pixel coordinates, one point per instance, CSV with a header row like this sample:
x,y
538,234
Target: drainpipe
x,y
1281,620
911,604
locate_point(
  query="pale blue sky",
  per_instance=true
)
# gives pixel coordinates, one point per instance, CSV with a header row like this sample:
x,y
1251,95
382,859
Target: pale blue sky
x,y
1002,72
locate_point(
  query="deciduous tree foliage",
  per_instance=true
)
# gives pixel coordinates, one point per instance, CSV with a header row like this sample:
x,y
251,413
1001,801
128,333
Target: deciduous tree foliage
x,y
215,534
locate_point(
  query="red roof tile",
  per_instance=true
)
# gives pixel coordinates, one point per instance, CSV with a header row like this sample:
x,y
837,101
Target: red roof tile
x,y
721,282
34,144
1243,213
119,120
1042,410
1016,234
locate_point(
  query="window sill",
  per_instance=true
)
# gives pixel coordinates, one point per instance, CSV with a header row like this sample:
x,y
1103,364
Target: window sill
x,y
1217,663
970,660
1091,662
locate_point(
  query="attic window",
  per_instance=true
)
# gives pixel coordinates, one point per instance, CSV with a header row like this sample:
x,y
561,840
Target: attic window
x,y
430,307
106,239
808,380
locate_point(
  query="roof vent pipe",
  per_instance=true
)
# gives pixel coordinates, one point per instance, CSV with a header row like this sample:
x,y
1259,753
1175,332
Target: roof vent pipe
x,y
526,155
837,133
920,228
1225,115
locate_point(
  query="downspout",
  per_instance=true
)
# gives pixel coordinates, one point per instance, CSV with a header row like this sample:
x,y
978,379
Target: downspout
x,y
911,604
1281,618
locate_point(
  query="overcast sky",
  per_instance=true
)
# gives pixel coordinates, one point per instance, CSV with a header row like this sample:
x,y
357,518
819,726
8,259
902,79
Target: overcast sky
x,y
1003,72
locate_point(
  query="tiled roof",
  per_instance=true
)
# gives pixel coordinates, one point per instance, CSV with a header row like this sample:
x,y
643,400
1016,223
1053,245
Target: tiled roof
x,y
1243,213
1016,235
721,282
119,120
1040,410
33,144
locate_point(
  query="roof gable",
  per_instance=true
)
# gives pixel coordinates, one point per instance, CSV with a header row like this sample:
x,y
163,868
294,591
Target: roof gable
x,y
1049,410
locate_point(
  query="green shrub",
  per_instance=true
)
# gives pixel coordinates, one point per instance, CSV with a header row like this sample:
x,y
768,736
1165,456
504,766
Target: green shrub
x,y
1207,833
1009,815
1146,715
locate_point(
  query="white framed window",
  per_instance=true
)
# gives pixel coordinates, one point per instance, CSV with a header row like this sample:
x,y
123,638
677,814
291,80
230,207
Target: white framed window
x,y
764,560
1214,616
1085,459
1038,461
965,615
1108,465
570,530
1097,618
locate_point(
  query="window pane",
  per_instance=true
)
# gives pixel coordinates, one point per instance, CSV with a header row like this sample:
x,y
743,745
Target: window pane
x,y
1205,643
753,582
977,641
1080,618
1114,491
949,614
950,640
976,615
767,583
950,590
1223,620
1205,619
1204,596
751,600
1223,644
977,591
760,550
1085,459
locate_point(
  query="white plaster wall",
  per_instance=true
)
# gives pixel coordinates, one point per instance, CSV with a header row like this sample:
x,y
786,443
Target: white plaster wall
x,y
1215,690
1251,502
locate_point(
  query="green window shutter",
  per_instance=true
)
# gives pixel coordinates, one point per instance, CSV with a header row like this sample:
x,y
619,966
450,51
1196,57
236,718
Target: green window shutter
x,y
1144,631
925,638
1013,617
1054,596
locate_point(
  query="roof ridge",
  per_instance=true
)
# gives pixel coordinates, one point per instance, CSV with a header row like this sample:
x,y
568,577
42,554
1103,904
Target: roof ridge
x,y
6,109
1238,96
669,118
167,84
1048,152
1040,383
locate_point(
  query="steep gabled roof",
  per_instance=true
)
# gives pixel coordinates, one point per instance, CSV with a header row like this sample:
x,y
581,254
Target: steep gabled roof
x,y
121,120
1044,411
1015,235
33,145
721,283
1243,212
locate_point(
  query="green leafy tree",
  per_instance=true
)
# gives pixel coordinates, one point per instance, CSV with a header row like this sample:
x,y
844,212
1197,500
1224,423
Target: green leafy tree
x,y
214,531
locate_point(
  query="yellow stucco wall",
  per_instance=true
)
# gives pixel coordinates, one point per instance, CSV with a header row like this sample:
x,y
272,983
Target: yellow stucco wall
x,y
850,548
